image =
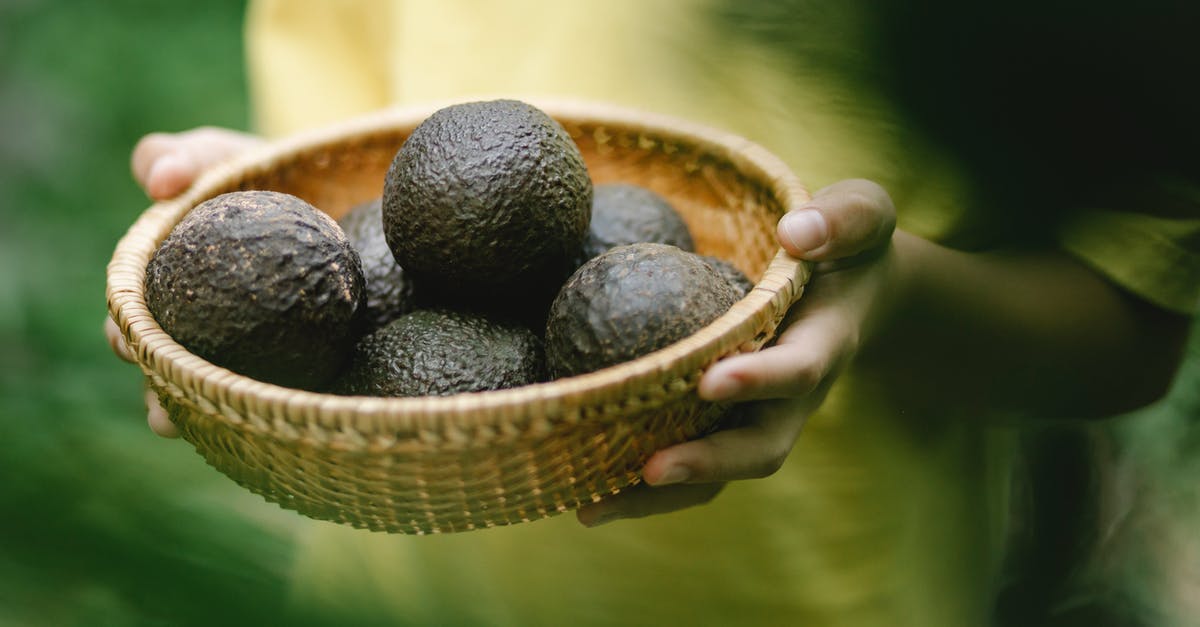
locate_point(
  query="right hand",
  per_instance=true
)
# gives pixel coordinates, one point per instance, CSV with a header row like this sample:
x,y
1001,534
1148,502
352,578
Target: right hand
x,y
164,165
847,229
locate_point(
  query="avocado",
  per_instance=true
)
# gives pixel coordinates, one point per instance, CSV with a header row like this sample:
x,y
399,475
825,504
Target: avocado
x,y
630,301
488,202
736,277
261,283
438,352
389,290
628,214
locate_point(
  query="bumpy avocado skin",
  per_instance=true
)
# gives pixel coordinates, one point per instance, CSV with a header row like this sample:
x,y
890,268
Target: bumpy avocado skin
x,y
389,290
488,201
736,278
438,352
630,301
261,283
628,214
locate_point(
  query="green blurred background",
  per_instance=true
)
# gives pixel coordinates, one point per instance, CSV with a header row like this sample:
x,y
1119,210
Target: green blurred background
x,y
102,523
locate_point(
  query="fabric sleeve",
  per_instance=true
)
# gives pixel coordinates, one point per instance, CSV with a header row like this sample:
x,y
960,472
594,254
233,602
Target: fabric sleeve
x,y
313,62
1152,251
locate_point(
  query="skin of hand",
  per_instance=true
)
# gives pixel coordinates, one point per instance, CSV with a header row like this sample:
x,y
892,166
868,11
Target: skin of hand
x,y
1031,333
164,165
847,229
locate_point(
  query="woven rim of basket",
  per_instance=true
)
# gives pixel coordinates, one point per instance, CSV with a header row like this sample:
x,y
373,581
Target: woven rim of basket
x,y
230,398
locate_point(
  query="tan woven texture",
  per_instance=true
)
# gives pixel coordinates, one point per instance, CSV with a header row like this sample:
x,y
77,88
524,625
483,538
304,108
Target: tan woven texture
x,y
471,461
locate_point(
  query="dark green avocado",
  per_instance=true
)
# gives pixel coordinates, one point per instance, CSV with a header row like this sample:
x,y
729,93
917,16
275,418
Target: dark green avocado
x,y
736,277
630,301
389,290
487,202
261,283
628,214
438,352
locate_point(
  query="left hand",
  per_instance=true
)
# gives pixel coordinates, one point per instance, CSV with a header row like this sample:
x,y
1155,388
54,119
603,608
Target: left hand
x,y
847,229
164,165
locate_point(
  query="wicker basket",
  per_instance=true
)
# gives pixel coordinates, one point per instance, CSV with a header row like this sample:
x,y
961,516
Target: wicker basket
x,y
469,461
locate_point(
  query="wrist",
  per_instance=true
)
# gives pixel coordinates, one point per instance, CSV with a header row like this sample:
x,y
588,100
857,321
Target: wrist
x,y
889,332
899,277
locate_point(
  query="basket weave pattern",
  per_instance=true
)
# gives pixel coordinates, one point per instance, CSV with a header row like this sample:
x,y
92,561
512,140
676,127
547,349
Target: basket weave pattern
x,y
469,461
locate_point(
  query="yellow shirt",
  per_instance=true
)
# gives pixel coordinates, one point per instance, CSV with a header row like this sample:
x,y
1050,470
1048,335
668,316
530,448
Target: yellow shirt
x,y
883,515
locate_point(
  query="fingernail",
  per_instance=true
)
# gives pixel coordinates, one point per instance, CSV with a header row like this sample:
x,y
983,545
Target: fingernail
x,y
673,474
805,230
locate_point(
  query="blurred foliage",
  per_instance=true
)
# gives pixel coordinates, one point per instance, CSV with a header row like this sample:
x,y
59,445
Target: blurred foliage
x,y
102,523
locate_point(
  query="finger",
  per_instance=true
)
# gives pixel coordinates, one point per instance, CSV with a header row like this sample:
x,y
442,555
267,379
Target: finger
x,y
806,353
779,371
157,417
642,500
167,164
841,220
147,152
116,341
171,174
753,451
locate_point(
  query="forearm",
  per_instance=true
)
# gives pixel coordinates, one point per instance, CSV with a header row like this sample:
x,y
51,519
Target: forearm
x,y
1028,332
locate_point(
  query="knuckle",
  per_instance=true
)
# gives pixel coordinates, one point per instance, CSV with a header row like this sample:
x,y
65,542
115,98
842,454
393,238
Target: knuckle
x,y
859,201
871,197
865,188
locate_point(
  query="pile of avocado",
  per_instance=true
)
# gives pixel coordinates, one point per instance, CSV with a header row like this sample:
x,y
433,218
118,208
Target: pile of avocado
x,y
490,261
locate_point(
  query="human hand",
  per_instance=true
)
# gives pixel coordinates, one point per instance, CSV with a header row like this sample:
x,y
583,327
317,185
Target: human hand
x,y
847,230
156,416
164,165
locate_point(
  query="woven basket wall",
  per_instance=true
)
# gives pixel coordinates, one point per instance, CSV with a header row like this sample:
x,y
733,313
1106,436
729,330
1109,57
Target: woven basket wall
x,y
470,461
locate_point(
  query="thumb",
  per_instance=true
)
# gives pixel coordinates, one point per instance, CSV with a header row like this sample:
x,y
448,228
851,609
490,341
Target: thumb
x,y
842,220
